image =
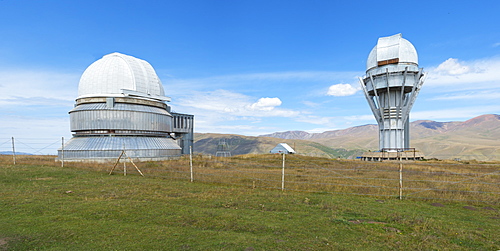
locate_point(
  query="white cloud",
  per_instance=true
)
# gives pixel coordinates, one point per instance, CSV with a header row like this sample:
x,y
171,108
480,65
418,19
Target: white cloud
x,y
360,118
465,75
225,111
342,90
249,130
459,113
37,87
227,103
34,108
177,86
265,104
316,120
244,104
310,104
480,95
452,67
274,76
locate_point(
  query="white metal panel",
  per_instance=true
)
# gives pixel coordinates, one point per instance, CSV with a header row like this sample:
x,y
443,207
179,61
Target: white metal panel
x,y
407,52
392,47
372,59
116,71
282,148
388,47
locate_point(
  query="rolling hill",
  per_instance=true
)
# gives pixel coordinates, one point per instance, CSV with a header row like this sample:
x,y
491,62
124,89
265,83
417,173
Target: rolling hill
x,y
207,143
476,138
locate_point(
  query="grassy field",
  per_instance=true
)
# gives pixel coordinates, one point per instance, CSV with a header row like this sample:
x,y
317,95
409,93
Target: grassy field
x,y
81,207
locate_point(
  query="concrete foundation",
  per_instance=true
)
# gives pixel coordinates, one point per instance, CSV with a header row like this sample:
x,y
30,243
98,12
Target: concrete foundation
x,y
403,155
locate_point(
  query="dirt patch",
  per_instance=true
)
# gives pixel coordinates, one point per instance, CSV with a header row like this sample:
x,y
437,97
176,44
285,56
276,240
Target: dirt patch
x,y
44,178
470,208
366,221
4,243
437,204
392,229
489,208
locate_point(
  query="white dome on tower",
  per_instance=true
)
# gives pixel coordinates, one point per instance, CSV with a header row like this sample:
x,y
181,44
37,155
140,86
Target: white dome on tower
x,y
391,85
116,74
392,49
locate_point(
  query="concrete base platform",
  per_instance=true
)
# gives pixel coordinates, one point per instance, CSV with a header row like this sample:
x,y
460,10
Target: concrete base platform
x,y
404,155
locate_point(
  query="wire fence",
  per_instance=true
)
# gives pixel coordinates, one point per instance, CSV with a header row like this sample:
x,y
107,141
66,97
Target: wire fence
x,y
432,180
49,146
30,146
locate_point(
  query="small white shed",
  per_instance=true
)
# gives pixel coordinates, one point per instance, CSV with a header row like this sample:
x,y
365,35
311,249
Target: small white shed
x,y
283,148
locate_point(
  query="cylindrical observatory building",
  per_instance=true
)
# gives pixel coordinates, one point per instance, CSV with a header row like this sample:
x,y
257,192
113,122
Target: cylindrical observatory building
x,y
121,105
391,85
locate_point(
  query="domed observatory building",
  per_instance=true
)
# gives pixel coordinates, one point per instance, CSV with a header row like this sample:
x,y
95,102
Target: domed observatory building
x,y
121,105
391,86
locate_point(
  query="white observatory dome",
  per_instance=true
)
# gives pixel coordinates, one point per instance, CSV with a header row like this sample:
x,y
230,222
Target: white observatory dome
x,y
115,72
392,49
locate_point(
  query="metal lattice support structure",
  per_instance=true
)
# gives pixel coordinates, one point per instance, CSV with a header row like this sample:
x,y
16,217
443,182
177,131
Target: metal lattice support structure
x,y
223,149
391,86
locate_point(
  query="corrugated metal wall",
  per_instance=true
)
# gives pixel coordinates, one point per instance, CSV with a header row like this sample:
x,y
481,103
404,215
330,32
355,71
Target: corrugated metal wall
x,y
135,128
111,147
97,116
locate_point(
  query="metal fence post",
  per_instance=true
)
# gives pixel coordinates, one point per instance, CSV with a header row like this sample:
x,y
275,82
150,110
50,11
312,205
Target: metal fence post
x,y
400,178
283,174
191,162
13,151
62,152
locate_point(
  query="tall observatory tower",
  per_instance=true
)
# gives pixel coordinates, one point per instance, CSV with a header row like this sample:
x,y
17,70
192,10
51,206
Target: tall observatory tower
x,y
391,85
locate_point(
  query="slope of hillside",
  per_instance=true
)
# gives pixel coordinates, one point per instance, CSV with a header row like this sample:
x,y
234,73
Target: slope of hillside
x,y
207,143
359,137
476,138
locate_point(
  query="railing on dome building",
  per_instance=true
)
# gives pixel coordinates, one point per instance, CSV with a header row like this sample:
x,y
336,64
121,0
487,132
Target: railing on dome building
x,y
182,123
183,127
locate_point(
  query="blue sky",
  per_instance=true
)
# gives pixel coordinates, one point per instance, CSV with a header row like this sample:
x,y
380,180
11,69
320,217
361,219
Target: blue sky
x,y
246,67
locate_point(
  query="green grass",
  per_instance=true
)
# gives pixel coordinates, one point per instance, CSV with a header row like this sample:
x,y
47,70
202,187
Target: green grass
x,y
46,207
337,152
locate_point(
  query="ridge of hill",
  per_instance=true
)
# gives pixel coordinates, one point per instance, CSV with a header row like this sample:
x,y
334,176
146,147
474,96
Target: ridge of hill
x,y
11,153
421,127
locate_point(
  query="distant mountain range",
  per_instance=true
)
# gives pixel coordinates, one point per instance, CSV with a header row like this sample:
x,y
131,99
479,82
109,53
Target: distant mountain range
x,y
17,153
477,138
